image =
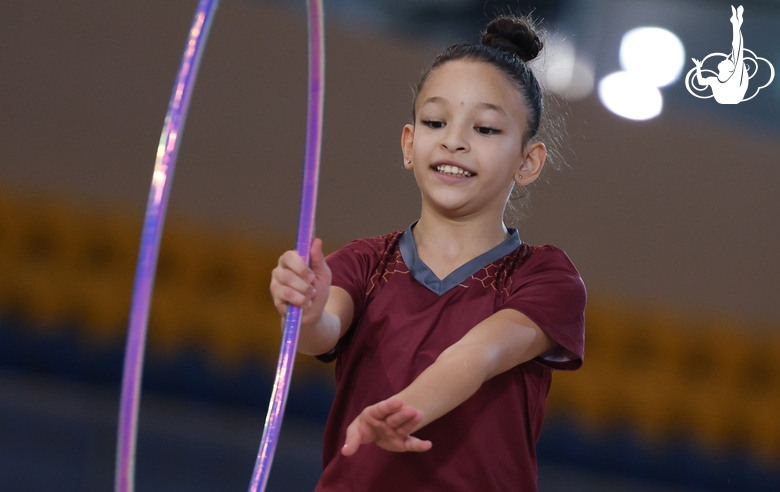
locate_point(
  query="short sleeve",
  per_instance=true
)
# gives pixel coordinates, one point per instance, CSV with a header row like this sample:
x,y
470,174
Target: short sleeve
x,y
548,289
351,268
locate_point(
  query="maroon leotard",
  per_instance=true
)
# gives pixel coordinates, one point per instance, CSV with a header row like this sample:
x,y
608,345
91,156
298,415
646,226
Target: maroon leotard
x,y
404,317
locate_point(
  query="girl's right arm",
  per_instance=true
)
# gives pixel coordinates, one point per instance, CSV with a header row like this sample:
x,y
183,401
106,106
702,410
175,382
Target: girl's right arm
x,y
327,311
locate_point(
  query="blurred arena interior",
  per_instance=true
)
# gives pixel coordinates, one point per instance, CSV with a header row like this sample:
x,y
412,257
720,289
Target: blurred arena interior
x,y
672,221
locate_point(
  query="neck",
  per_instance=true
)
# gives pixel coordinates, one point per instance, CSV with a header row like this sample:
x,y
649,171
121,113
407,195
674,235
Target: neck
x,y
457,239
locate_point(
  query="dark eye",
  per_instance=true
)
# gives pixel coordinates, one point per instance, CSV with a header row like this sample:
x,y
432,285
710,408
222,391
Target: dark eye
x,y
433,123
486,130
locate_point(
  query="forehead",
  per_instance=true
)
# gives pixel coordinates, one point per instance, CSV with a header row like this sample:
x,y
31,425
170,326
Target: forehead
x,y
466,82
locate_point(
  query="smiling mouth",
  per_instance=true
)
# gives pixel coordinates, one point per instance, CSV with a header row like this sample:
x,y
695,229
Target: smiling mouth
x,y
453,171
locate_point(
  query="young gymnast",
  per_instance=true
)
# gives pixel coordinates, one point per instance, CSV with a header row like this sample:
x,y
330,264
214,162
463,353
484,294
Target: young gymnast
x,y
445,335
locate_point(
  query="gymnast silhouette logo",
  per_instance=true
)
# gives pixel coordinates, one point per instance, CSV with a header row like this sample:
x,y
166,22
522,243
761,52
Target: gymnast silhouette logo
x,y
730,84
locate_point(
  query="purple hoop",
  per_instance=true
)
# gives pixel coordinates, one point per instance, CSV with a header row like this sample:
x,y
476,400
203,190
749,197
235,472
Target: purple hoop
x,y
164,166
311,170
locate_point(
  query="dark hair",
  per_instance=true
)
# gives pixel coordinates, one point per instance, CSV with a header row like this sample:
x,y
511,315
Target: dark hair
x,y
508,42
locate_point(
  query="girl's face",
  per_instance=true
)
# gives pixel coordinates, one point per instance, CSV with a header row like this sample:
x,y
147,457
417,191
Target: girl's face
x,y
466,146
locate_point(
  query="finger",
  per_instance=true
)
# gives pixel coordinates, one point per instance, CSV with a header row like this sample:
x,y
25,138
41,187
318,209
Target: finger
x,y
291,260
349,449
417,445
285,294
351,445
285,285
355,437
407,426
403,415
288,278
280,305
381,410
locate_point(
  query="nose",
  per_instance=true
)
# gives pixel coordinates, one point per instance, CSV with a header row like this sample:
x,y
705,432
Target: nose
x,y
453,139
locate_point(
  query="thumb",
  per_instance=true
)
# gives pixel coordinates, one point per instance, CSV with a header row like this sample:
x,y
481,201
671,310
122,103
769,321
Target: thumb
x,y
318,264
353,441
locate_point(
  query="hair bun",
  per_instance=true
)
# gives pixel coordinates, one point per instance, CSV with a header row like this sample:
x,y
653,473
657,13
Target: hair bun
x,y
513,34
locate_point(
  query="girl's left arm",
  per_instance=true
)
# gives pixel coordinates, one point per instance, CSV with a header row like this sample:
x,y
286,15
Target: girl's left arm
x,y
502,341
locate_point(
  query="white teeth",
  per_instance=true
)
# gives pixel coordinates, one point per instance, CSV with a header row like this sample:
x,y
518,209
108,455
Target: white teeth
x,y
454,170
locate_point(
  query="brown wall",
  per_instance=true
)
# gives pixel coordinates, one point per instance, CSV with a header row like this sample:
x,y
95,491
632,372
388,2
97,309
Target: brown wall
x,y
677,209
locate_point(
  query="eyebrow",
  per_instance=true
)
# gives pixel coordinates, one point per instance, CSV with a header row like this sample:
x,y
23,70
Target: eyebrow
x,y
483,105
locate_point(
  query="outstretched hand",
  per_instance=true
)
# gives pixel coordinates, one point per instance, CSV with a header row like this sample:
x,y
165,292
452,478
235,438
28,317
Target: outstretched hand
x,y
388,424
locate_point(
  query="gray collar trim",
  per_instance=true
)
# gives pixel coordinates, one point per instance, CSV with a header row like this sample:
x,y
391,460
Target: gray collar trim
x,y
425,276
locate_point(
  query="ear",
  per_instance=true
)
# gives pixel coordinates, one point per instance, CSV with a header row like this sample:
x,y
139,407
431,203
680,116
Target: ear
x,y
407,141
533,162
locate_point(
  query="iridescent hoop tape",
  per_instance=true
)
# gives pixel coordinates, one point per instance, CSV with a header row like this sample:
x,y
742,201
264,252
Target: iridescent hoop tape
x,y
162,177
292,322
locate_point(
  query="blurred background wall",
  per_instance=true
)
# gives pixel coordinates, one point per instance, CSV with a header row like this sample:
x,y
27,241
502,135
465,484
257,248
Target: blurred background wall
x,y
672,222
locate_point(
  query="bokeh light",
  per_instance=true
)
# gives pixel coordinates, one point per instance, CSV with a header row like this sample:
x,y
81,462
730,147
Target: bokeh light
x,y
563,72
653,54
630,96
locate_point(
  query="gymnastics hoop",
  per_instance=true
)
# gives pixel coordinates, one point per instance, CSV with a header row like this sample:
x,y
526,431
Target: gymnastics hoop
x,y
311,172
157,204
164,166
